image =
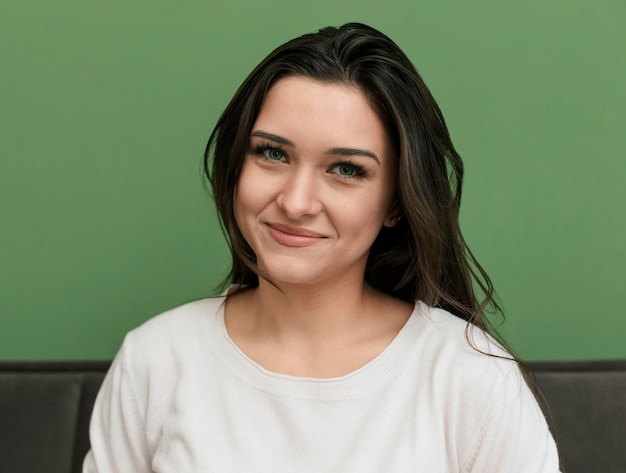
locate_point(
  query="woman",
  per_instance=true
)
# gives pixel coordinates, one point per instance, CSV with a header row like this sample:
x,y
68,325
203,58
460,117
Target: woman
x,y
350,339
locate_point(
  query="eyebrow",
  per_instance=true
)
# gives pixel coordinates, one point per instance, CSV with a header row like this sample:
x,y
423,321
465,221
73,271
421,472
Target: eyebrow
x,y
353,152
270,136
332,151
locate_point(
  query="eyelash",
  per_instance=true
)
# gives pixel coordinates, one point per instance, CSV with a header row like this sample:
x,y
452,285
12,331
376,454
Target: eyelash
x,y
261,148
359,171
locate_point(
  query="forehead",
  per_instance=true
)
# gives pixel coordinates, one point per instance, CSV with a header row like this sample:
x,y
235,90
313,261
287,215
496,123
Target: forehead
x,y
338,114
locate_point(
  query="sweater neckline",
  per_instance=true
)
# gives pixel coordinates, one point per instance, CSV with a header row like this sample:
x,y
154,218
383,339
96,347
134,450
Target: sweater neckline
x,y
351,385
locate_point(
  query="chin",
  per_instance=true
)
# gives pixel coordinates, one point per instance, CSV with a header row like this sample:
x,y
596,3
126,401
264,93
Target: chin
x,y
292,276
303,273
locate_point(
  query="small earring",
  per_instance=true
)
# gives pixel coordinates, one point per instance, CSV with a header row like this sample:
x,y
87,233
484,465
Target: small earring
x,y
395,220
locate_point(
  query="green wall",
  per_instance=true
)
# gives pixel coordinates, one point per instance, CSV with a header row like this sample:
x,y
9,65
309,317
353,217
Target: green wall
x,y
106,107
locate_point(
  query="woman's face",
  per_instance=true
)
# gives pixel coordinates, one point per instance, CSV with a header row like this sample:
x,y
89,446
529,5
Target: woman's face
x,y
317,182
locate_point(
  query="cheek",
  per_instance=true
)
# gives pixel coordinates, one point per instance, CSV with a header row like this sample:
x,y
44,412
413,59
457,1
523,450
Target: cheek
x,y
242,195
244,214
251,196
240,200
360,216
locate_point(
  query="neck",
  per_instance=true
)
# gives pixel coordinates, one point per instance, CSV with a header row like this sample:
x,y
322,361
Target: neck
x,y
312,330
313,312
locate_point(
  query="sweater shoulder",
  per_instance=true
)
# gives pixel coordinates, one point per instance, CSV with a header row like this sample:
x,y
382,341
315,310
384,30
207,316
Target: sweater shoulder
x,y
177,325
464,354
159,351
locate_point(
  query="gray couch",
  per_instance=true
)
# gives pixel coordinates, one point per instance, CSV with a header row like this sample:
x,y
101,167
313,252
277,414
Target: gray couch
x,y
45,410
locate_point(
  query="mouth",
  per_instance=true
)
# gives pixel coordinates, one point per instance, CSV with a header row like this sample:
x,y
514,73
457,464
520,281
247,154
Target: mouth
x,y
287,235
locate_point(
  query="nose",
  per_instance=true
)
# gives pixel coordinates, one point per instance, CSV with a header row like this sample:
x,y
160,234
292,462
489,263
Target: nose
x,y
298,196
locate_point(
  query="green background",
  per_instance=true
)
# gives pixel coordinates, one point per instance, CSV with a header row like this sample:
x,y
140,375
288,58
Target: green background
x,y
106,107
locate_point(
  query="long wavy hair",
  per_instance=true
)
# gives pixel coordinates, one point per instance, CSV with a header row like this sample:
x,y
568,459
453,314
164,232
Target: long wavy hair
x,y
425,256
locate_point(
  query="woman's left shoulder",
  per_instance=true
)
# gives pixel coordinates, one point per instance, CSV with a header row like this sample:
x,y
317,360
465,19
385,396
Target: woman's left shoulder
x,y
463,353
497,421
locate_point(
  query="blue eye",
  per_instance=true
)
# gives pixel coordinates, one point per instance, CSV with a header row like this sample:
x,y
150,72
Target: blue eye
x,y
348,170
273,154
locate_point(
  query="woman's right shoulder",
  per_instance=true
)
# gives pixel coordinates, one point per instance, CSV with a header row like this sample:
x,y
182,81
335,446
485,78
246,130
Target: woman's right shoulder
x,y
187,321
157,354
191,318
173,337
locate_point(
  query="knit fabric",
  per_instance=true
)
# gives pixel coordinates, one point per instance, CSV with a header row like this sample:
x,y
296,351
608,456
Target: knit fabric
x,y
181,397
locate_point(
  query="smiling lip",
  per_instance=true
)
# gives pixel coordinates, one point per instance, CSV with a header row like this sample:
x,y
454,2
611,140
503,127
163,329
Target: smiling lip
x,y
293,236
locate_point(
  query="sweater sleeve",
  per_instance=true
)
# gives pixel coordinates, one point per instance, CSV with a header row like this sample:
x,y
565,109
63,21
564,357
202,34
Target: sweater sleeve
x,y
514,436
117,430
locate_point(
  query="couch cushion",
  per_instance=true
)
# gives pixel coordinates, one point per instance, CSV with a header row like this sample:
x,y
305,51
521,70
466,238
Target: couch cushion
x,y
38,414
588,404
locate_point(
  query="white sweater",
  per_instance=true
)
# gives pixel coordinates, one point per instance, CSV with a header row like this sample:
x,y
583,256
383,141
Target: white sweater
x,y
180,397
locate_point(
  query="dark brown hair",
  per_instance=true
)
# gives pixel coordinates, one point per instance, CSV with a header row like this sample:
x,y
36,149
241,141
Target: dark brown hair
x,y
425,256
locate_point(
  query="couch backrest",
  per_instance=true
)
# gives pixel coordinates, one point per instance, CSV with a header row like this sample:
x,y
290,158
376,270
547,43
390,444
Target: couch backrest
x,y
587,401
45,410
44,415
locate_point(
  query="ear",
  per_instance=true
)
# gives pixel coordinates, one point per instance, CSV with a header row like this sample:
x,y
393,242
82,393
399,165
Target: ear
x,y
393,216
